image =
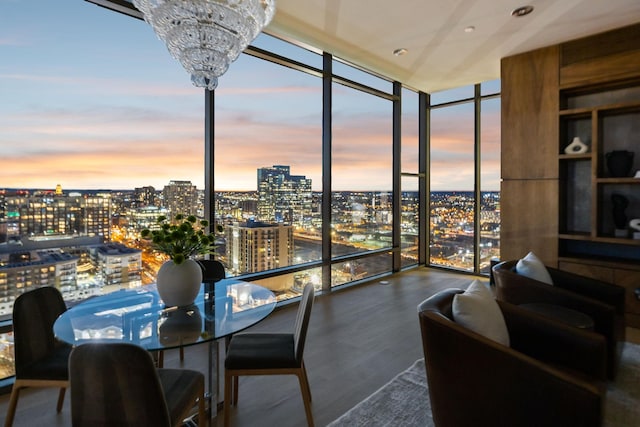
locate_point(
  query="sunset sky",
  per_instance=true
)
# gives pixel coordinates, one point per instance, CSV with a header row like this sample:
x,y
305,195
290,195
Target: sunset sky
x,y
92,99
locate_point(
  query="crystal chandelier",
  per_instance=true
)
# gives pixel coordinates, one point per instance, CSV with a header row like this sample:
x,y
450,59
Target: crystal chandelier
x,y
206,35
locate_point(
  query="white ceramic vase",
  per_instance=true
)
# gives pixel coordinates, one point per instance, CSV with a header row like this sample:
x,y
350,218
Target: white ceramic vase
x,y
178,285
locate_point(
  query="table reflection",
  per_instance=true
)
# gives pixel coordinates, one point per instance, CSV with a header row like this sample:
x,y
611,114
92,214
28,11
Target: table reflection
x,y
180,326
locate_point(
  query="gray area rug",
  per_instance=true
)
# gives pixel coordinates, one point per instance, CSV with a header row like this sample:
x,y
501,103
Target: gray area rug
x,y
395,403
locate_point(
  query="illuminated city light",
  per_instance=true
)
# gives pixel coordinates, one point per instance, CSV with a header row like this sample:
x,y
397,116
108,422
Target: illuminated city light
x,y
451,240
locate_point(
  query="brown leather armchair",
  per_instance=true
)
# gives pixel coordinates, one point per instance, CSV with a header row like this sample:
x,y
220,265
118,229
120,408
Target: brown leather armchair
x,y
552,374
602,301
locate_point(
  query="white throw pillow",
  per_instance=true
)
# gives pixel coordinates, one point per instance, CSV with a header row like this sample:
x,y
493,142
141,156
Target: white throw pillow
x,y
531,267
477,309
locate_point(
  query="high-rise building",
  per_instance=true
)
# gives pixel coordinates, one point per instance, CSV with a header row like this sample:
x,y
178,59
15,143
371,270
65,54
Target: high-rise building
x,y
144,196
257,246
180,197
78,267
144,217
118,265
26,270
48,214
283,197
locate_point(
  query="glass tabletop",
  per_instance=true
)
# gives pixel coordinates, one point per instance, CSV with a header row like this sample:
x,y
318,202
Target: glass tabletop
x,y
139,316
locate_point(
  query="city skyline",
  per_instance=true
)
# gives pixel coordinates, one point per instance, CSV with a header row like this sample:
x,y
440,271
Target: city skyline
x,y
70,231
110,109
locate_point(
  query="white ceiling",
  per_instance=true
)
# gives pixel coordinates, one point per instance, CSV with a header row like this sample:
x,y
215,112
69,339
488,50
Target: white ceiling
x,y
441,55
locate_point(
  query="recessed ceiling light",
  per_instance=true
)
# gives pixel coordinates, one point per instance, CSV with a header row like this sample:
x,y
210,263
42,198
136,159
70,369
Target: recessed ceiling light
x,y
399,52
469,29
522,11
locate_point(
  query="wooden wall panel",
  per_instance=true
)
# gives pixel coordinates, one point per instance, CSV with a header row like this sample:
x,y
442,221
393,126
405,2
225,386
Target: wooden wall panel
x,y
612,42
629,279
530,105
605,274
621,66
529,219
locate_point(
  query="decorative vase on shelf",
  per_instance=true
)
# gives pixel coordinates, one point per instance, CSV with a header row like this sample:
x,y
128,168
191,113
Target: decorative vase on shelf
x,y
620,203
576,147
179,284
619,163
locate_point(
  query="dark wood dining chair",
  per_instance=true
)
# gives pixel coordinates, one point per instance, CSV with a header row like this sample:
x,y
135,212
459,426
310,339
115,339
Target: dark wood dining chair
x,y
117,384
270,354
40,359
212,270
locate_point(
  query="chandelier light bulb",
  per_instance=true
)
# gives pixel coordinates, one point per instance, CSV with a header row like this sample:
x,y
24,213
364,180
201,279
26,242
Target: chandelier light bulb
x,y
205,36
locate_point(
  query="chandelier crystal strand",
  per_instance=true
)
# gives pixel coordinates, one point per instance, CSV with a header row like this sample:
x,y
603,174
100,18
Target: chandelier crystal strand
x,y
205,36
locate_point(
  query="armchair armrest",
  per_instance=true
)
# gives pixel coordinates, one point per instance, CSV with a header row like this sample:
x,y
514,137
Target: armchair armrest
x,y
608,293
556,343
517,289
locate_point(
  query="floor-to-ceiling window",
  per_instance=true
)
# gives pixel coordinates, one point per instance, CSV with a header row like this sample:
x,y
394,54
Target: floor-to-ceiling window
x,y
464,175
452,179
101,119
409,185
361,154
490,175
100,132
268,167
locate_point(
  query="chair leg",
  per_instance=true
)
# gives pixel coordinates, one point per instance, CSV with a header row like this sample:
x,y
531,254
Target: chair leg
x,y
160,360
235,390
13,402
306,396
60,399
227,397
203,419
306,379
181,354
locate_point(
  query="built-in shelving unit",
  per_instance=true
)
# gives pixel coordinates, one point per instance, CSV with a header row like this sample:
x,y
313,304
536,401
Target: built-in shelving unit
x,y
560,205
606,119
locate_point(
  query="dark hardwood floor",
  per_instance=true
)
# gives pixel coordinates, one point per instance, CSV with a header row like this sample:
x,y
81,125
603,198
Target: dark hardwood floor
x,y
359,338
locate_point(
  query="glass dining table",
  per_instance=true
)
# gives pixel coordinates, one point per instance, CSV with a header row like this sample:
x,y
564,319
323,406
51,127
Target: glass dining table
x,y
140,317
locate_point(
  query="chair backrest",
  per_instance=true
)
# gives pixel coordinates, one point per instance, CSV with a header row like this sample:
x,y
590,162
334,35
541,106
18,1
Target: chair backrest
x,y
115,384
34,313
508,266
302,320
212,270
440,303
509,285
